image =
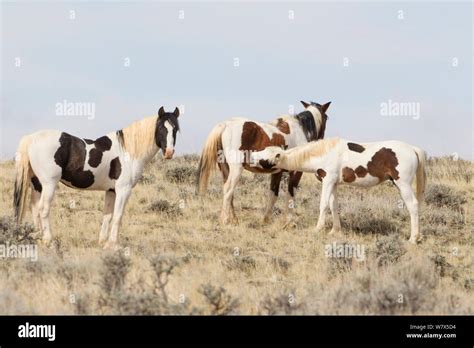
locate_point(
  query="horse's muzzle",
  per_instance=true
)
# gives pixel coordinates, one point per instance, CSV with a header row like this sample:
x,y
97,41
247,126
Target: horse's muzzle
x,y
169,153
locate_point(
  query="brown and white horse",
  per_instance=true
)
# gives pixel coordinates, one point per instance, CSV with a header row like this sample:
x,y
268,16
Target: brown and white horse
x,y
337,161
230,143
112,163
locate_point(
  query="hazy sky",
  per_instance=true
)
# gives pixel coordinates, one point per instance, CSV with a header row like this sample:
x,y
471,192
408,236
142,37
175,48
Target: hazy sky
x,y
400,52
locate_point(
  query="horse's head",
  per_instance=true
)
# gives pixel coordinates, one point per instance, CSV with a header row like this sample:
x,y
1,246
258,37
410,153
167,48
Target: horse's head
x,y
267,158
319,112
167,127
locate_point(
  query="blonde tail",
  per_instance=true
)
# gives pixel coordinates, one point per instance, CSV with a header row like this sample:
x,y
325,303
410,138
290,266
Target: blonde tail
x,y
420,175
209,155
23,173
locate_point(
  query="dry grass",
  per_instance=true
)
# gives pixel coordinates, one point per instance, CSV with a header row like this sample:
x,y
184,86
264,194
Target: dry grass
x,y
179,260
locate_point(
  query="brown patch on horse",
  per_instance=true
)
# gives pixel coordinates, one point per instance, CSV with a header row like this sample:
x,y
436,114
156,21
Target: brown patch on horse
x,y
383,164
355,147
275,183
283,126
361,172
254,138
260,170
348,174
320,174
293,181
224,168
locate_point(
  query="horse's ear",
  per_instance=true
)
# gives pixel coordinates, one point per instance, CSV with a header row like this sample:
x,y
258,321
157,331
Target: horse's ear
x,y
161,112
176,112
277,158
325,106
305,104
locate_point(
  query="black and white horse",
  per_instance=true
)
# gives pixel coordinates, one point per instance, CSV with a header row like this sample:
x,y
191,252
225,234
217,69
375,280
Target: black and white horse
x,y
112,163
230,144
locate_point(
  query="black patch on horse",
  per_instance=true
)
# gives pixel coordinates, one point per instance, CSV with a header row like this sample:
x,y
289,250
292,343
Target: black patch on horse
x,y
306,121
89,141
101,145
115,169
355,147
36,184
71,156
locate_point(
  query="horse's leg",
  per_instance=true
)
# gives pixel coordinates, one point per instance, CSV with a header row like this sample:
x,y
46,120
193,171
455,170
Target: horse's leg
x,y
272,195
235,171
44,207
411,202
326,192
293,181
109,201
122,193
224,168
35,200
333,205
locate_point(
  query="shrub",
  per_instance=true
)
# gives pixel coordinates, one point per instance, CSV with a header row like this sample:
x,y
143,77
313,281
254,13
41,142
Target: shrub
x,y
444,196
13,233
165,207
114,271
241,263
181,174
280,305
362,221
389,249
220,302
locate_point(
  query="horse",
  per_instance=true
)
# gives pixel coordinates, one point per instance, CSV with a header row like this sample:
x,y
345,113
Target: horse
x,y
337,161
229,144
112,163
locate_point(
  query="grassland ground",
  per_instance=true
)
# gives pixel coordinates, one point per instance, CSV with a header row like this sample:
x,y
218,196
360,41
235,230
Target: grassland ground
x,y
178,259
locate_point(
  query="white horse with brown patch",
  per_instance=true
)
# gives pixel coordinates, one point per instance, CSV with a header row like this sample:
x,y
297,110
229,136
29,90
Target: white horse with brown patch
x,y
337,161
113,163
231,142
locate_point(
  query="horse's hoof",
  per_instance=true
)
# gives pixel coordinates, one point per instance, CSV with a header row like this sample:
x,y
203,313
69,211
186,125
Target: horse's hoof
x,y
414,241
113,246
46,242
334,231
319,230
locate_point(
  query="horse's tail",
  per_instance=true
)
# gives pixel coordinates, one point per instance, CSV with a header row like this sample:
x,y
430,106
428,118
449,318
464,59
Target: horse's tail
x,y
209,158
420,174
23,173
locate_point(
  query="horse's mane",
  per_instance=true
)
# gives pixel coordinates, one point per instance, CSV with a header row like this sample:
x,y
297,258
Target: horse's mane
x,y
138,138
296,156
311,125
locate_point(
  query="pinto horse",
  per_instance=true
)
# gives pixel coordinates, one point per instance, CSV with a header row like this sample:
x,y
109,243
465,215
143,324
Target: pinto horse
x,y
112,163
337,161
230,142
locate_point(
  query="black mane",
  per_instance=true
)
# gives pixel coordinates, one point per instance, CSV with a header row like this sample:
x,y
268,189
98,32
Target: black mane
x,y
306,121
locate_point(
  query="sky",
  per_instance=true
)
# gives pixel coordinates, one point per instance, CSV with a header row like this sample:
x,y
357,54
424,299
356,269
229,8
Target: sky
x,y
253,59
